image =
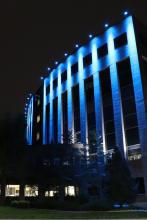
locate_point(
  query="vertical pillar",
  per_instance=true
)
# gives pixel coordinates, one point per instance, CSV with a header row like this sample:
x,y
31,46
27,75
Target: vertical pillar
x,y
116,96
138,90
30,122
32,111
83,109
44,113
51,108
60,124
69,98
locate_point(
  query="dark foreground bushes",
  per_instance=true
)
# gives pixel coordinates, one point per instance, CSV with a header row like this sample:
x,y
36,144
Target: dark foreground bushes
x,y
67,205
98,205
20,204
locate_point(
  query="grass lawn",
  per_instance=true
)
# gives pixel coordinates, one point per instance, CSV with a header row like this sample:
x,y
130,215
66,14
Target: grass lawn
x,y
14,213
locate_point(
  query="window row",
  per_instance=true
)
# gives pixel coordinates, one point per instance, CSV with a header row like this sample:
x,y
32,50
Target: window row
x,y
87,60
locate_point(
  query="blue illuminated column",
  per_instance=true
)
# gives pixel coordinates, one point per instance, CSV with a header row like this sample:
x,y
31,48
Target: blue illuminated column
x,y
69,98
116,96
30,122
83,110
44,141
97,95
60,124
138,90
51,107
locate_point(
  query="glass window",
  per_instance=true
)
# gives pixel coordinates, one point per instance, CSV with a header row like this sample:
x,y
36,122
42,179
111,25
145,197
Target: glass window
x,y
38,118
31,190
70,191
109,127
131,121
38,102
102,51
120,41
74,69
132,136
87,60
48,89
12,190
55,83
64,76
129,106
37,136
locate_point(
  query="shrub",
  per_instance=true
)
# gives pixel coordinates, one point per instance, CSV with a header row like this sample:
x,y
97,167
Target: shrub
x,y
20,204
98,205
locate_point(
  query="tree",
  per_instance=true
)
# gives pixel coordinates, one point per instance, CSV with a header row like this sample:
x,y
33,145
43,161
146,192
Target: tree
x,y
121,187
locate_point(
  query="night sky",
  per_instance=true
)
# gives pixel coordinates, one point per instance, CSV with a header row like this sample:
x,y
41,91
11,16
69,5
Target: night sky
x,y
33,34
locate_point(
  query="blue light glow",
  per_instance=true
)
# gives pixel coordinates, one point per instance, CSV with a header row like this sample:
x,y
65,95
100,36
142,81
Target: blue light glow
x,y
41,77
28,98
29,118
125,12
48,68
30,94
110,60
56,62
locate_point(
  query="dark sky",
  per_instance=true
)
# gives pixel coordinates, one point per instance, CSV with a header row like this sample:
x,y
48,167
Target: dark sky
x,y
33,34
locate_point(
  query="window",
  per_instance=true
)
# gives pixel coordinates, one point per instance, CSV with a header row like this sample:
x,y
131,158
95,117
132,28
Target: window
x,y
74,69
120,41
87,60
129,106
70,191
31,191
38,102
132,136
64,76
37,136
48,89
12,190
55,83
38,118
103,51
107,105
130,121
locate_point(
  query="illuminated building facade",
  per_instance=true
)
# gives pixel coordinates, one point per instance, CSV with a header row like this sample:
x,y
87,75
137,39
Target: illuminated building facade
x,y
99,91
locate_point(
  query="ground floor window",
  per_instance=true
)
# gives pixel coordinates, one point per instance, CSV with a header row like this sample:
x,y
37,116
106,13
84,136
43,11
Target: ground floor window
x,y
70,191
12,190
51,193
31,191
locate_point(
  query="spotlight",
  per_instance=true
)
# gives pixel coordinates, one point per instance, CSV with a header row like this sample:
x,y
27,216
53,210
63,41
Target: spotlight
x,y
106,25
30,94
125,12
48,68
90,35
65,54
76,45
56,62
28,98
41,77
